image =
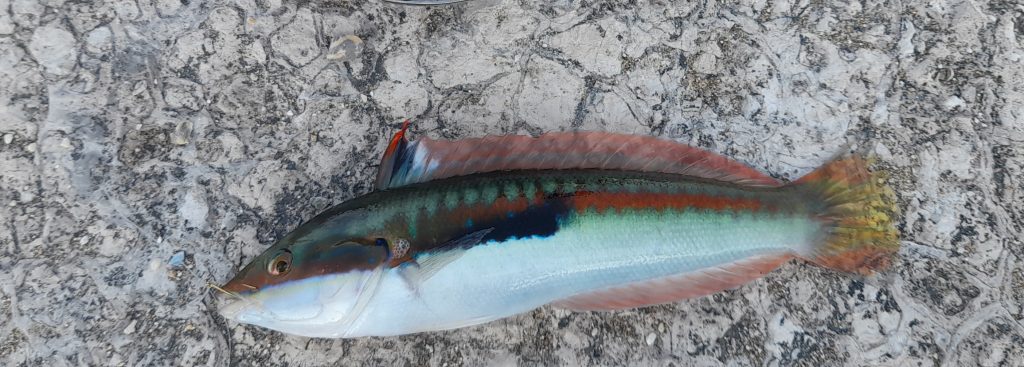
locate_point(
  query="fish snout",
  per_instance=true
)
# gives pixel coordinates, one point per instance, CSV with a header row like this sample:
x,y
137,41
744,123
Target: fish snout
x,y
230,306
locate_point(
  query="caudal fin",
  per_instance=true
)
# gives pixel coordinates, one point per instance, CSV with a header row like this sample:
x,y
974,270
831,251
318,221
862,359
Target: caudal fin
x,y
859,209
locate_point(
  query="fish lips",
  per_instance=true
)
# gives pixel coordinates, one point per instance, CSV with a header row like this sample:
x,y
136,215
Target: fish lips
x,y
243,310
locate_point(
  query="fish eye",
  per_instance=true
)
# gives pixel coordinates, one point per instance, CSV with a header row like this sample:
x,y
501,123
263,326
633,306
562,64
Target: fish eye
x,y
281,263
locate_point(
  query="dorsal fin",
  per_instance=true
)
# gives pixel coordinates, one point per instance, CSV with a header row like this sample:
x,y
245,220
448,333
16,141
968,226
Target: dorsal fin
x,y
422,160
392,156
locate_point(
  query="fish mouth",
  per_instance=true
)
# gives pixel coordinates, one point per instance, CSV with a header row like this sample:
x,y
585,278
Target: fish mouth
x,y
246,311
230,307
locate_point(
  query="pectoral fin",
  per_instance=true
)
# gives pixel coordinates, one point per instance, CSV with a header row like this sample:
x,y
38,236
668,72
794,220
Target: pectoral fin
x,y
423,266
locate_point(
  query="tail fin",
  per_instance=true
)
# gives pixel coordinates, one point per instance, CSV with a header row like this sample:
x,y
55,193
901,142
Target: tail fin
x,y
860,210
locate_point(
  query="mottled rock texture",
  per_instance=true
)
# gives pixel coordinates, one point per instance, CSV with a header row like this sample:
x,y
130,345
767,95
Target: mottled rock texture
x,y
132,130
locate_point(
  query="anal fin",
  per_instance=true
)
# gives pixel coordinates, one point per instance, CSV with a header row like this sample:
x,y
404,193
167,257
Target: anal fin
x,y
675,287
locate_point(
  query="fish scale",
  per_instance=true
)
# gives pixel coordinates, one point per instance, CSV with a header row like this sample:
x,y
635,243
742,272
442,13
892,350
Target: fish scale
x,y
592,250
475,198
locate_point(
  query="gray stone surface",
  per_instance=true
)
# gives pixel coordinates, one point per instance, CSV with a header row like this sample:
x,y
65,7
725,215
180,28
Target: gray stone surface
x,y
133,130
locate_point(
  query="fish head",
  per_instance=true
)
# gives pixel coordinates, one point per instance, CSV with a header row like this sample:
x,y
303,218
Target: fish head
x,y
306,287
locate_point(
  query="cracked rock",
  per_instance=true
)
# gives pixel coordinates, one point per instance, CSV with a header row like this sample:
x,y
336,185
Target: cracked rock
x,y
137,136
54,49
296,41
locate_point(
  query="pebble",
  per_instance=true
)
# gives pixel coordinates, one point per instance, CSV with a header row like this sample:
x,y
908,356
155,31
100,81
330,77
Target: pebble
x,y
953,103
177,260
181,133
131,328
8,138
31,147
651,338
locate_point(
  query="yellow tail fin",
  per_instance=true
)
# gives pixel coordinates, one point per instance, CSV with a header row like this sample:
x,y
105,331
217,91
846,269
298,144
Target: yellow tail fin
x,y
862,236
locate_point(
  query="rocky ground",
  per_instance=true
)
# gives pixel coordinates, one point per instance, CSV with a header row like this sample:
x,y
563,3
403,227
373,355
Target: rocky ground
x,y
149,147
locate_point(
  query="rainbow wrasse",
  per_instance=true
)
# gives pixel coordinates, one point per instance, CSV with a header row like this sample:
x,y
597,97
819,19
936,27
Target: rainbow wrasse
x,y
464,232
425,2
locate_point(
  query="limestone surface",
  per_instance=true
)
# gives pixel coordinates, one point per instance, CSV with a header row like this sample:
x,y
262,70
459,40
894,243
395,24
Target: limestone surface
x,y
152,146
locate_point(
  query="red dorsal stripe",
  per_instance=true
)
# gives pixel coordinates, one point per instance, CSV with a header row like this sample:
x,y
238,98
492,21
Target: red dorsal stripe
x,y
426,159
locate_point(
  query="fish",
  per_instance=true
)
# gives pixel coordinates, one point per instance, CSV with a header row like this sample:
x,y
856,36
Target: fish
x,y
463,232
424,2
